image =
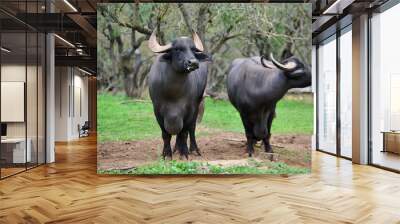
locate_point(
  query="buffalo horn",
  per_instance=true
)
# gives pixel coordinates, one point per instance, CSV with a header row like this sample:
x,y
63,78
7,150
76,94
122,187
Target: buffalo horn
x,y
197,42
288,67
265,63
155,46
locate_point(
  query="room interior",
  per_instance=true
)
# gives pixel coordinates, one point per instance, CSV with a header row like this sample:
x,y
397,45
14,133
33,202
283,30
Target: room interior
x,y
22,101
334,46
355,163
25,99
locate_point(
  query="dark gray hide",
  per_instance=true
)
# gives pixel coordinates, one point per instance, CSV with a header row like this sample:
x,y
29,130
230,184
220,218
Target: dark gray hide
x,y
177,81
254,89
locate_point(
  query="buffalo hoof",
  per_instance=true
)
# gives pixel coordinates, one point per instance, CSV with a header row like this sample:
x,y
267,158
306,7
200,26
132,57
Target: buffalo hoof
x,y
167,157
184,152
268,148
250,152
167,154
195,150
186,156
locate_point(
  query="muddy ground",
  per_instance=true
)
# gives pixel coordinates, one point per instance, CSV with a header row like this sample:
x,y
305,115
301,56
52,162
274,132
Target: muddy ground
x,y
217,148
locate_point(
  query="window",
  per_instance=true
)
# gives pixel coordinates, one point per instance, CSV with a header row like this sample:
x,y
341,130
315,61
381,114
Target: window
x,y
346,92
327,95
22,77
385,89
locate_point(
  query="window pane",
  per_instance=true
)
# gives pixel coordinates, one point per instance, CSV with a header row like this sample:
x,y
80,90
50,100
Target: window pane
x,y
385,84
14,153
31,97
327,96
346,93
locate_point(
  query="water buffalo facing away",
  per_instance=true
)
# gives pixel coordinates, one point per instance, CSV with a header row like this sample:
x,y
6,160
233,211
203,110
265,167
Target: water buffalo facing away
x,y
255,85
177,80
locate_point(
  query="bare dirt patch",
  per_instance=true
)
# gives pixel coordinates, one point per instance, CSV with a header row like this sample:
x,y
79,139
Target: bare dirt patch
x,y
217,148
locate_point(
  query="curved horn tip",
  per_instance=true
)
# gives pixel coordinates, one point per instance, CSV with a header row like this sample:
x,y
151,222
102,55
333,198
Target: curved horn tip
x,y
263,62
197,42
155,46
286,67
271,56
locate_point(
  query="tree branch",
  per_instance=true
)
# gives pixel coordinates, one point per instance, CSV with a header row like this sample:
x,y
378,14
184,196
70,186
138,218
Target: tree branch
x,y
224,38
185,16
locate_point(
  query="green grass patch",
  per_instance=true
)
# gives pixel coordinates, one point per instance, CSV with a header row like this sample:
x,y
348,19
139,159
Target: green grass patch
x,y
293,117
193,167
122,119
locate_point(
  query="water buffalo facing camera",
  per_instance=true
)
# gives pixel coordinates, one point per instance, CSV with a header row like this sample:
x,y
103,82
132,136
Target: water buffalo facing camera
x,y
255,85
177,80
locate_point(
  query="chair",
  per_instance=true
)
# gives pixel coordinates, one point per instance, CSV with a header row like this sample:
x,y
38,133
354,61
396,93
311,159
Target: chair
x,y
84,130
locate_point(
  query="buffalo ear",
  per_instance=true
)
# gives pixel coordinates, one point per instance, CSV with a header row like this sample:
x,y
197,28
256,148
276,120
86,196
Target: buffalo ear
x,y
166,57
203,56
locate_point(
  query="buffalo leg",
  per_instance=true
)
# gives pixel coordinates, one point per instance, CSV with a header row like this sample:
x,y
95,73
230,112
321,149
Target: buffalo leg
x,y
181,144
193,144
266,140
250,144
167,152
249,136
192,136
267,145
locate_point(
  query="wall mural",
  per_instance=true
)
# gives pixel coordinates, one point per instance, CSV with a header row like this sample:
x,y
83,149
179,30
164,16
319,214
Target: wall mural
x,y
204,88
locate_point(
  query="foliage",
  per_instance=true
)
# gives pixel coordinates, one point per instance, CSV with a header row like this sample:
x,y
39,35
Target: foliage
x,y
195,167
122,118
228,31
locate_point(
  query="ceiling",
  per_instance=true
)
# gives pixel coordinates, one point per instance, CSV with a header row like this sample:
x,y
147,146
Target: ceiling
x,y
74,22
330,15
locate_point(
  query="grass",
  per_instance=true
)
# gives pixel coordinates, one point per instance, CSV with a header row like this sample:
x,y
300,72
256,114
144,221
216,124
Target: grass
x,y
122,119
193,167
293,117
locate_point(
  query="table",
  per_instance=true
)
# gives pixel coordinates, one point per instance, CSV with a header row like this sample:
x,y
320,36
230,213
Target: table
x,y
391,141
18,151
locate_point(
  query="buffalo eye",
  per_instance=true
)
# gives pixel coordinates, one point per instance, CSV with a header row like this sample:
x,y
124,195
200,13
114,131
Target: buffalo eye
x,y
202,56
166,57
195,50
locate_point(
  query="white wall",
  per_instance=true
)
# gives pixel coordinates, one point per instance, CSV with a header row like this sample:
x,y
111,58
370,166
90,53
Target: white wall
x,y
71,94
17,73
14,73
33,126
80,102
10,73
62,81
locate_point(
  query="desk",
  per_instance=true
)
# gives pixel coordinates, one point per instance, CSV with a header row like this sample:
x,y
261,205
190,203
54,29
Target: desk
x,y
18,151
391,141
